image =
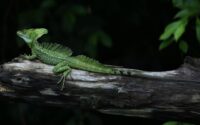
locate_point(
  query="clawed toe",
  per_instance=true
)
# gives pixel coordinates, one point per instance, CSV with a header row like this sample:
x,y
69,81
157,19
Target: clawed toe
x,y
61,82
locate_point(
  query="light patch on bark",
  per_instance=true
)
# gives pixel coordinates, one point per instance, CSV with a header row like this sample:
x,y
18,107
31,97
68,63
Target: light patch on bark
x,y
5,89
101,85
162,74
195,98
90,77
48,91
27,65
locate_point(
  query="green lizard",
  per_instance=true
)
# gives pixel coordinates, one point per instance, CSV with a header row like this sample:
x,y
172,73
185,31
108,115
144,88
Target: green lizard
x,y
61,57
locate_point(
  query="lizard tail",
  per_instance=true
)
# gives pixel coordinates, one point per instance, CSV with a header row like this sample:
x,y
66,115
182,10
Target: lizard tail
x,y
126,72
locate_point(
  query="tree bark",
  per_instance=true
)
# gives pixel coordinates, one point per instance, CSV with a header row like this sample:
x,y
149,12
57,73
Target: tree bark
x,y
167,94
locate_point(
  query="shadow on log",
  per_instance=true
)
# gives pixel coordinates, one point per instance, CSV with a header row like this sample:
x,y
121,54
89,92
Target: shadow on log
x,y
171,94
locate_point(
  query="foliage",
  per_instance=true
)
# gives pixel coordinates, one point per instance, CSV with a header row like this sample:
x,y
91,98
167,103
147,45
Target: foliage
x,y
75,21
189,9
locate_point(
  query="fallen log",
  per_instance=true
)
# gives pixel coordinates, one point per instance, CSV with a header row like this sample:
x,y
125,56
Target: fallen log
x,y
165,94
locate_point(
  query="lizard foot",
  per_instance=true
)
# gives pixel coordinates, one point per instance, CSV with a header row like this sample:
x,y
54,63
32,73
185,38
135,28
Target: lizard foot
x,y
62,80
28,57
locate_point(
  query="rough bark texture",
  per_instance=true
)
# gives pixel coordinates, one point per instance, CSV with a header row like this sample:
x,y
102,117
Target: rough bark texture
x,y
168,94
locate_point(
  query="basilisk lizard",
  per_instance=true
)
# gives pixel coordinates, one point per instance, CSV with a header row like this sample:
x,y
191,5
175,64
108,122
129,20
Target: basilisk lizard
x,y
61,57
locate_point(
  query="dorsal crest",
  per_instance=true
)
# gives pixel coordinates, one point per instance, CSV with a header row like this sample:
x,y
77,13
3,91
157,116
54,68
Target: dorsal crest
x,y
57,48
88,60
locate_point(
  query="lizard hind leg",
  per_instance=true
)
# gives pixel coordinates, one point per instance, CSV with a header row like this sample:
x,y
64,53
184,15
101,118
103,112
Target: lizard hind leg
x,y
64,69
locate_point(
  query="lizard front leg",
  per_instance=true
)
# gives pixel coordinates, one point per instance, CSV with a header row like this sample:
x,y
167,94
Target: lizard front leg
x,y
29,57
64,69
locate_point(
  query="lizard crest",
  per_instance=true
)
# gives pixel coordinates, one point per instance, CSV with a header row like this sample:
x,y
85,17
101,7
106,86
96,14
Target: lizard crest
x,y
31,35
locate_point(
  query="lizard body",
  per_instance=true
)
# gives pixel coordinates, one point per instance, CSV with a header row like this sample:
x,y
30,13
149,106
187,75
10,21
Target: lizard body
x,y
61,57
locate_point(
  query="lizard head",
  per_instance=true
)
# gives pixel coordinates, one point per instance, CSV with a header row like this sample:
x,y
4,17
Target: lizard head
x,y
31,35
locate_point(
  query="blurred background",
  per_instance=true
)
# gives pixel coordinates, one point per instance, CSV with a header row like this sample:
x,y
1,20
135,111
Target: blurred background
x,y
115,32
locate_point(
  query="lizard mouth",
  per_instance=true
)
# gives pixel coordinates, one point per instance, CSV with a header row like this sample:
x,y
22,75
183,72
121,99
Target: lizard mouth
x,y
24,37
19,33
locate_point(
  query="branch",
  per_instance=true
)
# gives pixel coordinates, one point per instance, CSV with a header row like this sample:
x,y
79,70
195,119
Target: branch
x,y
168,94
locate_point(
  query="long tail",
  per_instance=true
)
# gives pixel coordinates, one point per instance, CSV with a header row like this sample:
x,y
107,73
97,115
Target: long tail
x,y
126,72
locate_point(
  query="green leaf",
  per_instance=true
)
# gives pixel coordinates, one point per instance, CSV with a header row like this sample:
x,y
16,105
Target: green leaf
x,y
69,21
198,29
93,39
192,5
169,30
91,46
105,39
182,14
178,3
180,29
183,46
79,10
165,44
100,37
46,4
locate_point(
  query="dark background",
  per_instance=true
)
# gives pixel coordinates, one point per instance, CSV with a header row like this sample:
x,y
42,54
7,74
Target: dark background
x,y
117,32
